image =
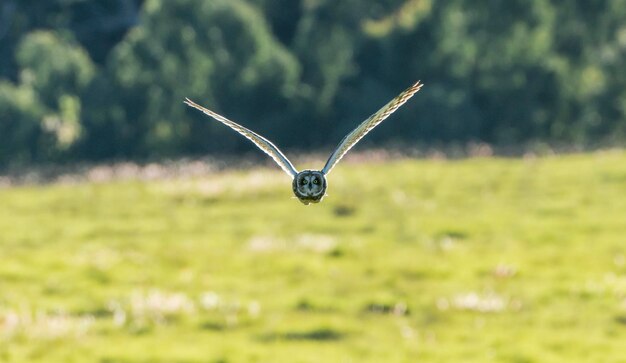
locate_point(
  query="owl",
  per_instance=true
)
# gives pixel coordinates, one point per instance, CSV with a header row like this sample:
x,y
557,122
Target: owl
x,y
309,186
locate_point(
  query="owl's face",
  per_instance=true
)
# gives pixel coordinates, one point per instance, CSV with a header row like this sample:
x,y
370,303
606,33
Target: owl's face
x,y
309,186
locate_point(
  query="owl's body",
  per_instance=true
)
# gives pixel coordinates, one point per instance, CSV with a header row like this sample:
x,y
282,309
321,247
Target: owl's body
x,y
309,186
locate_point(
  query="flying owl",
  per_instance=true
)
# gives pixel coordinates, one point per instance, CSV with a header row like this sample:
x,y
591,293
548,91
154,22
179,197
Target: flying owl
x,y
309,186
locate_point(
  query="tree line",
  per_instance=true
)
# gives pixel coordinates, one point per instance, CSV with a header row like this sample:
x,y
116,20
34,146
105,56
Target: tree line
x,y
98,80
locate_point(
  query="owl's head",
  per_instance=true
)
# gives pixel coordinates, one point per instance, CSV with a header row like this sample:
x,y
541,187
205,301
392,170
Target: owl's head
x,y
309,186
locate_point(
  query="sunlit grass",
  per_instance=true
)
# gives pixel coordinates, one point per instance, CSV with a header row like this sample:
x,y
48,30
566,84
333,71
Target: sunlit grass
x,y
484,260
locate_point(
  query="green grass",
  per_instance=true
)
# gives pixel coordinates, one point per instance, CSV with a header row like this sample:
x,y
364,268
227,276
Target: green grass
x,y
479,260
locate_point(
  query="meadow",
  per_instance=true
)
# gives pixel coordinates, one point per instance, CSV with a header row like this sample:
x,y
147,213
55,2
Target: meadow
x,y
477,260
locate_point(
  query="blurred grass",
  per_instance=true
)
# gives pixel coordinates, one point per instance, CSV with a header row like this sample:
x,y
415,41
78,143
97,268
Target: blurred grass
x,y
482,260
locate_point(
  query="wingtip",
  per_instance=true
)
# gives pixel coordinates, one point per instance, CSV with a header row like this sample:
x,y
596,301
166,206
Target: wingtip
x,y
416,87
190,103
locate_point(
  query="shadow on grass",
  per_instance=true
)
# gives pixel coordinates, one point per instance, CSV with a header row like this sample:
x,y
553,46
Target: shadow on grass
x,y
322,334
213,326
621,319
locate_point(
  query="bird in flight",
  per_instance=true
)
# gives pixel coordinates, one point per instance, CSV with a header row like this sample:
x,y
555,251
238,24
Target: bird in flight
x,y
309,186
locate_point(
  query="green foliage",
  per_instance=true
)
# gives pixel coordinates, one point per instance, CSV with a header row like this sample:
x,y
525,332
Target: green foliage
x,y
21,135
40,116
98,25
187,46
497,260
67,68
303,72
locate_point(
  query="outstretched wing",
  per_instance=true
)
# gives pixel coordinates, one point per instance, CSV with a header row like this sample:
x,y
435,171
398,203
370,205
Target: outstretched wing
x,y
366,126
263,143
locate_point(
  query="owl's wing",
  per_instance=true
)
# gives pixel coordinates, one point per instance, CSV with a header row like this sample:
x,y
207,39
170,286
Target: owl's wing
x,y
263,143
366,126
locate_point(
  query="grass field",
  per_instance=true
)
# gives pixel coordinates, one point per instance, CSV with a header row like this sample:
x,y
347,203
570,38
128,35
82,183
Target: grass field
x,y
478,260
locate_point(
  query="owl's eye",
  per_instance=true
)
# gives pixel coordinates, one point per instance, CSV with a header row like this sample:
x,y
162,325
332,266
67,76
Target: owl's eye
x,y
304,182
316,181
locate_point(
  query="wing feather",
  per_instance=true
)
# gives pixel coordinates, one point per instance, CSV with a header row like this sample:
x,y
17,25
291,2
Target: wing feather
x,y
263,143
366,126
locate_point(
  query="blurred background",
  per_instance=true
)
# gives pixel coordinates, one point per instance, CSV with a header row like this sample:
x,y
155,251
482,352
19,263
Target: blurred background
x,y
101,80
151,243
